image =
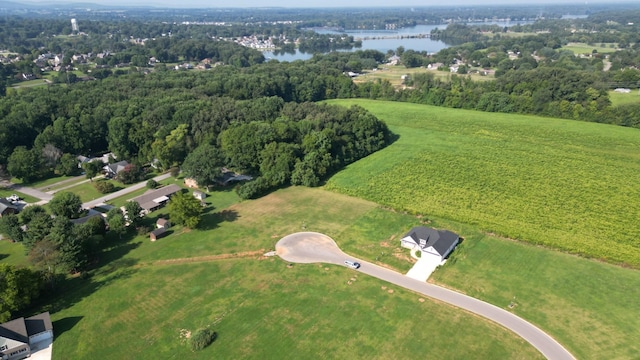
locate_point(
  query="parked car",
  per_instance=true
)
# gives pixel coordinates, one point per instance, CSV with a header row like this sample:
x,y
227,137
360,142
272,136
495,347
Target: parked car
x,y
352,264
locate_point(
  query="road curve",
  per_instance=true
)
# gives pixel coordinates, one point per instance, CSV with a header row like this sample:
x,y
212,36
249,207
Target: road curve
x,y
311,247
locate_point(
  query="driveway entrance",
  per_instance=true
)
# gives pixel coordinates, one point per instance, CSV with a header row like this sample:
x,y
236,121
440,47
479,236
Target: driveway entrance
x,y
426,265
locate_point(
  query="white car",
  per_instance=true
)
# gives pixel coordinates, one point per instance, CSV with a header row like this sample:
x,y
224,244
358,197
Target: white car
x,y
352,264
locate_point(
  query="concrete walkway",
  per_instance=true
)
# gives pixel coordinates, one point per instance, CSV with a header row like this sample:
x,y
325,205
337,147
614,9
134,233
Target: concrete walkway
x,y
315,247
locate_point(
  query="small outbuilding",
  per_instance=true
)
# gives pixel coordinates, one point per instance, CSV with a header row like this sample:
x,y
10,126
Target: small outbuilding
x,y
157,234
199,195
163,223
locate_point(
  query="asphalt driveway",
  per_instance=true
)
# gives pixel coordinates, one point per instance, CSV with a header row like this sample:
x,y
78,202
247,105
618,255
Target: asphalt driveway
x,y
311,247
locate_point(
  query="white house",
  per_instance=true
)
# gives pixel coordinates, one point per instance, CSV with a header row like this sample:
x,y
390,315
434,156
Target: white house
x,y
432,242
19,337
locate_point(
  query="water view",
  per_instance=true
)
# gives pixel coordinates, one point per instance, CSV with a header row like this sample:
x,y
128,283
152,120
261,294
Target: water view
x,y
385,40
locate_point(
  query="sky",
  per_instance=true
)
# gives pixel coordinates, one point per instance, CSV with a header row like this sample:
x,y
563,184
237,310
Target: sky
x,y
313,3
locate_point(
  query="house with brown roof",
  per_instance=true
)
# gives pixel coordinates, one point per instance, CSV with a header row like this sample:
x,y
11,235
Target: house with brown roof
x,y
155,199
19,337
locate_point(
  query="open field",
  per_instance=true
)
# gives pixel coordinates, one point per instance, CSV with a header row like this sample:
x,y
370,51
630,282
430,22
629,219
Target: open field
x,y
618,99
261,307
137,288
582,48
590,307
560,183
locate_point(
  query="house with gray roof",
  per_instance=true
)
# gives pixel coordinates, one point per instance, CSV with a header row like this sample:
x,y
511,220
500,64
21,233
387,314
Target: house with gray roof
x,y
19,337
429,241
6,207
113,169
155,199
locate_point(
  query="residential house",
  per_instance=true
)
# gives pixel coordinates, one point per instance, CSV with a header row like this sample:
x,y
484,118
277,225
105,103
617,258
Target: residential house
x,y
430,242
6,207
157,234
19,337
111,170
155,199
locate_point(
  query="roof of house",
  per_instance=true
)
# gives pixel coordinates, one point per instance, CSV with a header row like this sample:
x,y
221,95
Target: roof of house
x,y
6,204
440,240
38,324
158,232
20,329
162,221
146,200
117,167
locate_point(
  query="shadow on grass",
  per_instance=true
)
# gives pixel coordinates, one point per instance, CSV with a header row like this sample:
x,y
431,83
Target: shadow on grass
x,y
63,325
212,220
2,256
110,266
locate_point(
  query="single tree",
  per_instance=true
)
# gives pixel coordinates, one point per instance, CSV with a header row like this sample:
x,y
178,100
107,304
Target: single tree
x,y
66,204
117,222
134,212
10,227
68,165
18,287
203,164
184,209
38,227
24,164
69,244
92,168
44,255
51,155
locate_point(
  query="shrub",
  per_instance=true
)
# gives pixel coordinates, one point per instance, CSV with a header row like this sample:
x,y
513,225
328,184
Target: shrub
x,y
174,171
202,338
104,187
152,184
143,230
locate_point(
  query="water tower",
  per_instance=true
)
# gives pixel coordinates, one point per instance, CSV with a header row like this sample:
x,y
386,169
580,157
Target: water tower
x,y
74,25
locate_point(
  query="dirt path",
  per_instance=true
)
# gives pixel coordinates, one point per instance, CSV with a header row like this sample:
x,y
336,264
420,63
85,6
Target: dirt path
x,y
207,258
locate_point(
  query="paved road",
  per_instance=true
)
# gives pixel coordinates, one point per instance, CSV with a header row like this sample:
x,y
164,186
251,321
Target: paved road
x,y
122,192
31,192
309,247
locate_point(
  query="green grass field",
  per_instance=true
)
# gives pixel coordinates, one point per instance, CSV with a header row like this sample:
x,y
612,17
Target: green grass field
x,y
87,191
147,293
560,183
582,48
618,99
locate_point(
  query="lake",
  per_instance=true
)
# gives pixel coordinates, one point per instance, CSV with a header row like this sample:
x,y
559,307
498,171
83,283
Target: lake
x,y
384,40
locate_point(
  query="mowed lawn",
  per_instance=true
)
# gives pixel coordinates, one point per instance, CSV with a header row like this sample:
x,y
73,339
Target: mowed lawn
x,y
261,307
565,184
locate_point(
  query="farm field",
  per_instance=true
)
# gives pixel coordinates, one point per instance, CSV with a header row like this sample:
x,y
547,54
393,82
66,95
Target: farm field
x,y
259,306
559,183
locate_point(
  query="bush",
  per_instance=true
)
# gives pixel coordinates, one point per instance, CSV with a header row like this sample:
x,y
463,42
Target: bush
x,y
253,189
202,338
174,171
104,187
152,184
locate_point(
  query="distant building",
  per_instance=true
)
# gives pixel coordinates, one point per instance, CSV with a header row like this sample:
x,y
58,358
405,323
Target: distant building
x,y
74,25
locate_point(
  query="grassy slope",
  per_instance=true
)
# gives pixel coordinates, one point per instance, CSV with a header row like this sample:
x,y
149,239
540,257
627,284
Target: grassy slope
x,y
262,308
618,99
564,184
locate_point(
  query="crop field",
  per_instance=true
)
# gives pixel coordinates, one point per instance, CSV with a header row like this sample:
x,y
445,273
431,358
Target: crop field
x,y
151,294
564,184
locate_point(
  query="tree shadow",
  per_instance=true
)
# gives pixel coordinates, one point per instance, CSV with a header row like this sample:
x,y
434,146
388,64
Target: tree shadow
x,y
213,219
65,324
3,256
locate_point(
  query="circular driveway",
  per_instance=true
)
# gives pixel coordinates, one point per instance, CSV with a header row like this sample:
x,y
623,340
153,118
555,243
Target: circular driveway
x,y
311,247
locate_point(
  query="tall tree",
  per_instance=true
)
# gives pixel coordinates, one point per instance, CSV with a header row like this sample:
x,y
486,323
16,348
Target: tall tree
x,y
10,227
204,164
117,222
24,164
92,168
66,204
68,165
18,287
134,212
44,255
184,209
